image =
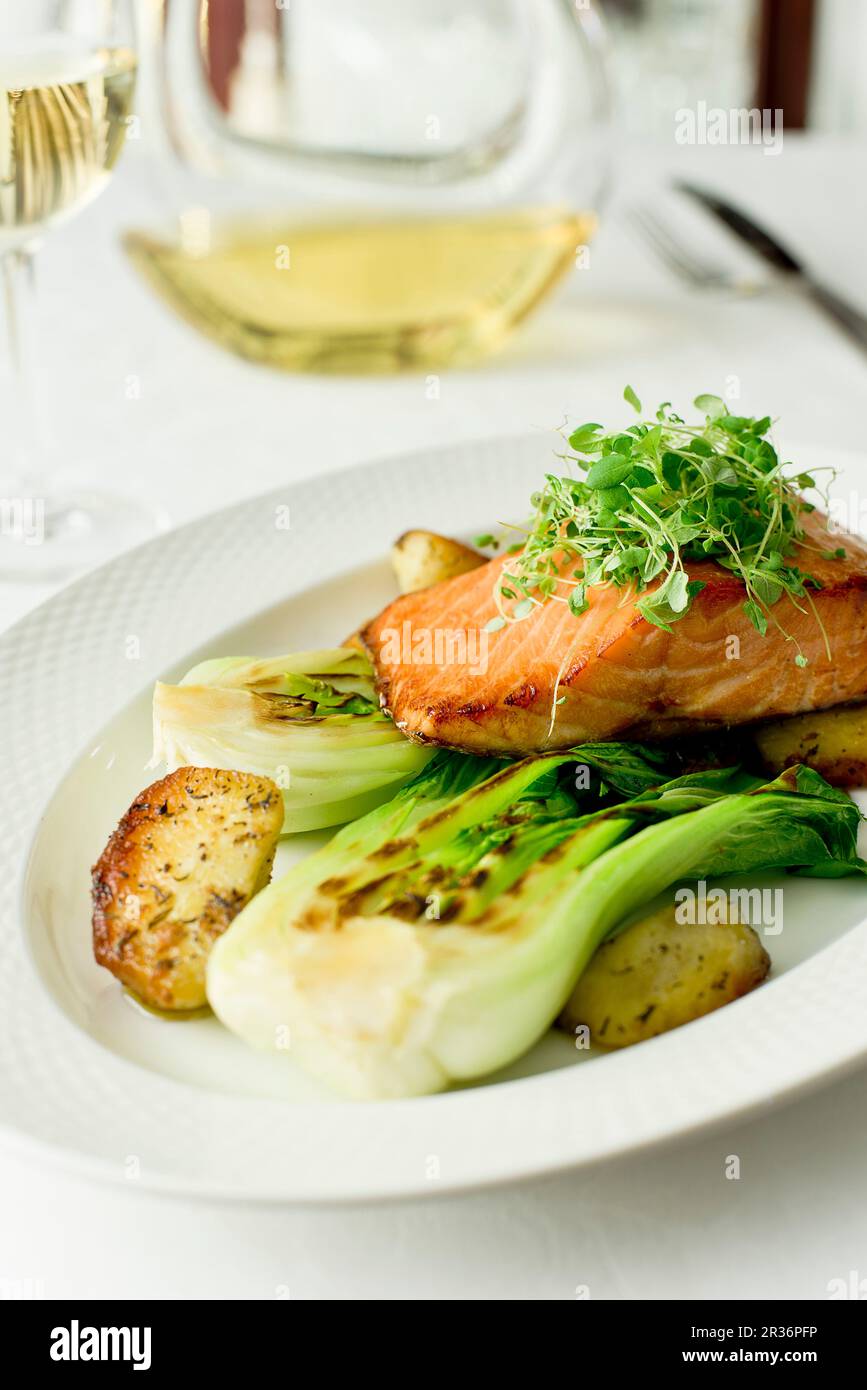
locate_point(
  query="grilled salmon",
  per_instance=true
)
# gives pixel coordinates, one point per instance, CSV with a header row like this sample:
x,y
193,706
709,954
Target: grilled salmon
x,y
554,679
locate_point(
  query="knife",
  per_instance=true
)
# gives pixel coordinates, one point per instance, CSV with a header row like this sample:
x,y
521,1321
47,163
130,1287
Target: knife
x,y
760,240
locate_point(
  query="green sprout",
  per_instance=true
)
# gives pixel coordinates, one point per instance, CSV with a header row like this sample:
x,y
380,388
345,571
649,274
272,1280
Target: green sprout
x,y
655,498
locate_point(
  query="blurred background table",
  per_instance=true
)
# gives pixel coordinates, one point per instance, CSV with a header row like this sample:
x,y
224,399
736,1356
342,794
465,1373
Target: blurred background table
x,y
163,411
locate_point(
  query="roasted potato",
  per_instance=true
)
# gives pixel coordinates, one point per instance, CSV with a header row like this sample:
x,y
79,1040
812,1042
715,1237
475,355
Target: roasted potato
x,y
659,974
422,558
833,741
190,852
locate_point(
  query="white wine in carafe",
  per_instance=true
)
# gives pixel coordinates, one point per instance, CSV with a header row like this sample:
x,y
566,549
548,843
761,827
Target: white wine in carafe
x,y
363,295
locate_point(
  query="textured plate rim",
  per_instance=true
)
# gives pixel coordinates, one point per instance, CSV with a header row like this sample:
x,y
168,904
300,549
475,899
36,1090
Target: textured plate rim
x,y
842,1049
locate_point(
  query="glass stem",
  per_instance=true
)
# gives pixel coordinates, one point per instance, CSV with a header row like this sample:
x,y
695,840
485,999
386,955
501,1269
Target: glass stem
x,y
21,426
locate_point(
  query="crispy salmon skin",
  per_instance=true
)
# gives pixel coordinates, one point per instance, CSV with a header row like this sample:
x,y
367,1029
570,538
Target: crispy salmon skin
x,y
555,679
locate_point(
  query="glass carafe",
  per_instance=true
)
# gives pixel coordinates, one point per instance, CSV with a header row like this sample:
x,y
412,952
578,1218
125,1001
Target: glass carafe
x,y
370,184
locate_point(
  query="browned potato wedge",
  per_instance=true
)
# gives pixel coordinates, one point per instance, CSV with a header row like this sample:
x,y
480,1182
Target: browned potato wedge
x,y
188,855
659,974
422,558
833,741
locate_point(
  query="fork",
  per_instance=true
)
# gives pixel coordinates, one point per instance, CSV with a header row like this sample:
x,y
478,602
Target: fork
x,y
691,267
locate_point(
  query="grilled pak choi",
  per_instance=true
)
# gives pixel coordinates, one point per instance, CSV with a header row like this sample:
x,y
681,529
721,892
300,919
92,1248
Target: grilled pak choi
x,y
436,940
310,721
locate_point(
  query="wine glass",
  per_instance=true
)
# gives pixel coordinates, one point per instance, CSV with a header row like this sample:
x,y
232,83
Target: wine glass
x,y
67,76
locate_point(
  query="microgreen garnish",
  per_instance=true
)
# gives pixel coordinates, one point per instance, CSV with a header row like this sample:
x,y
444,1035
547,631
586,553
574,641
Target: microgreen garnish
x,y
655,497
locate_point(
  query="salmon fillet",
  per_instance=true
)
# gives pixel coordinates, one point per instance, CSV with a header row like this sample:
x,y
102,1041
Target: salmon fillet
x,y
554,679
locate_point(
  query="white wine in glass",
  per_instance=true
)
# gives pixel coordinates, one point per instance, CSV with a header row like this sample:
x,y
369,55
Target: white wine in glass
x,y
63,118
67,76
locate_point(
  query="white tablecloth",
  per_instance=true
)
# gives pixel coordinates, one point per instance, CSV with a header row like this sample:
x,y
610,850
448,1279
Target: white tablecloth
x,y
200,429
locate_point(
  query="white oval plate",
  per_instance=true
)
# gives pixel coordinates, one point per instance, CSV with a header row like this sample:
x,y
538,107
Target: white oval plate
x,y
185,1107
